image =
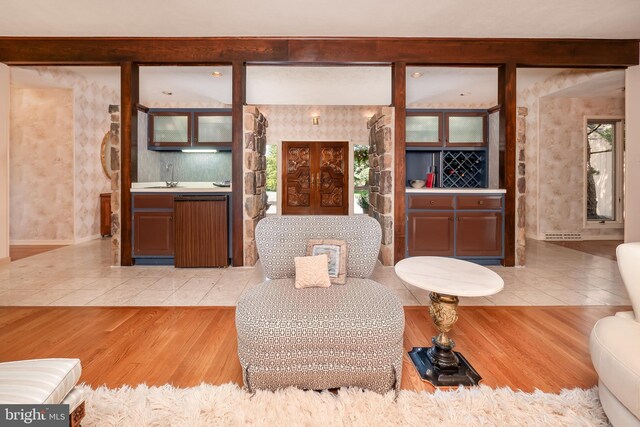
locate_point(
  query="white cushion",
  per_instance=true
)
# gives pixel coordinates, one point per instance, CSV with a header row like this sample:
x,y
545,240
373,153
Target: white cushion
x,y
615,346
73,399
38,381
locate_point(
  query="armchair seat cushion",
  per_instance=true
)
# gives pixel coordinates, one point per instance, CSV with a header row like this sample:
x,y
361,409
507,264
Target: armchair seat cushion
x,y
615,346
40,381
315,338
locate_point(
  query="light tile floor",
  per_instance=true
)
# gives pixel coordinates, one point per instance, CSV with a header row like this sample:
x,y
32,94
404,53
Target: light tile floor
x,y
80,275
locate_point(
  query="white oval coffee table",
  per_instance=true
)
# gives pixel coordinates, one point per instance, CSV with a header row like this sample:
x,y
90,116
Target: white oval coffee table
x,y
446,279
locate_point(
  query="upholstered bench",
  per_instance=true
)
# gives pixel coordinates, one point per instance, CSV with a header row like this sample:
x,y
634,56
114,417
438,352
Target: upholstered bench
x,y
319,338
43,381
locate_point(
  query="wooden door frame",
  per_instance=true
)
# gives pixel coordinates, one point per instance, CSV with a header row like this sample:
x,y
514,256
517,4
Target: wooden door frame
x,y
313,169
505,53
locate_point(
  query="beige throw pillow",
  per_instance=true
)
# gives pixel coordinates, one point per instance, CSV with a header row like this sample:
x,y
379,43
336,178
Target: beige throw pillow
x,y
336,251
312,271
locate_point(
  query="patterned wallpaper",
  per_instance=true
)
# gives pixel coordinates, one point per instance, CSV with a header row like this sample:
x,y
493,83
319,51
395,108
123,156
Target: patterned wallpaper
x,y
337,122
561,159
41,165
529,98
193,167
91,122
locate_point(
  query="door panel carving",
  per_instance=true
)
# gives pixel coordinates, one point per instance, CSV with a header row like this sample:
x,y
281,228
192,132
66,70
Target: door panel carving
x,y
315,180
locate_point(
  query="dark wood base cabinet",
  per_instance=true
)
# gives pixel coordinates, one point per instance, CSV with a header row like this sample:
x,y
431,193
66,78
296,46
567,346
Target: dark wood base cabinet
x,y
105,214
430,233
460,225
153,229
185,230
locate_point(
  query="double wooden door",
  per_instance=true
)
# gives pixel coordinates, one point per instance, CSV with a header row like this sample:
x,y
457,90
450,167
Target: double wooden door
x,y
315,178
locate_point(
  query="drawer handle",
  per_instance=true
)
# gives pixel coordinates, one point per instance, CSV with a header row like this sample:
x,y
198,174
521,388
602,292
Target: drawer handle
x,y
481,202
170,218
432,202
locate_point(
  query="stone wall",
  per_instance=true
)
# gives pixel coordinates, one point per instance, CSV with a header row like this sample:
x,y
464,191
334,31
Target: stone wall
x,y
114,133
254,172
381,126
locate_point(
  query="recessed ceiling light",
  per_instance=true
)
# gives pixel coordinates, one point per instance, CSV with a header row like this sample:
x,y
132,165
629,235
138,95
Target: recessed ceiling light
x,y
166,92
416,75
216,74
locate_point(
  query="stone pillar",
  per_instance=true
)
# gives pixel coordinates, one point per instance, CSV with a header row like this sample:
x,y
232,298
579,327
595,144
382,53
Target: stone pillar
x,y
521,189
255,179
381,178
114,131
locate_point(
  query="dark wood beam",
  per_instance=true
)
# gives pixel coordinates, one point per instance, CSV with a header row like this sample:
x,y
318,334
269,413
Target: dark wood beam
x,y
399,99
507,156
239,79
129,97
413,51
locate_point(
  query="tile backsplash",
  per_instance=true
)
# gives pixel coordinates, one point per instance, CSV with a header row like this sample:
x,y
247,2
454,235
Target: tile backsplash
x,y
192,167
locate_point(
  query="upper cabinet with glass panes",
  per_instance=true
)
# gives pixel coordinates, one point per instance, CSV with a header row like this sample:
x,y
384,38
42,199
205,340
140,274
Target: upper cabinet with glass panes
x,y
446,128
180,129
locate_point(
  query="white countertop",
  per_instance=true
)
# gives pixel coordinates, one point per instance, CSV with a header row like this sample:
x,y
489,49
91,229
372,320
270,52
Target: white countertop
x,y
449,276
183,187
456,190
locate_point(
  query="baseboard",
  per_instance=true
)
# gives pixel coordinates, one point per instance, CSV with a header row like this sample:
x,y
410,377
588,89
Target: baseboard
x,y
600,237
40,242
87,239
5,260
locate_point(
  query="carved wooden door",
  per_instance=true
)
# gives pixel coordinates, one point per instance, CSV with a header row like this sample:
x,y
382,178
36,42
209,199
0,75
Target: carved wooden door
x,y
315,178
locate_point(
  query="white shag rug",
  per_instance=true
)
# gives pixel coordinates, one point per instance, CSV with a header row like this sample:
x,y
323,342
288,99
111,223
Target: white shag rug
x,y
229,405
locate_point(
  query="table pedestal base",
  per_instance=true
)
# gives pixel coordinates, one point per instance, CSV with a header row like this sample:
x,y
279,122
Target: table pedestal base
x,y
462,374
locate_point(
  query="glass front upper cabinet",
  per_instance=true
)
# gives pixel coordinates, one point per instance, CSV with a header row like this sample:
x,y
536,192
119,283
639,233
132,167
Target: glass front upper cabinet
x,y
466,129
169,129
423,129
212,129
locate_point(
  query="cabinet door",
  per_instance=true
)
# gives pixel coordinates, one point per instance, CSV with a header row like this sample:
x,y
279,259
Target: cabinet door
x,y
466,129
430,233
170,129
105,214
423,129
153,234
479,234
212,129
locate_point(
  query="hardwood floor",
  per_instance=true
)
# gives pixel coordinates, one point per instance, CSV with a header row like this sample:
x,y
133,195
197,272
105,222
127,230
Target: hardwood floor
x,y
603,248
17,252
517,347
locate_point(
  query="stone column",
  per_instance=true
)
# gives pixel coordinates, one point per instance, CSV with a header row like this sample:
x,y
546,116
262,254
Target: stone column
x,y
114,131
255,179
521,189
381,178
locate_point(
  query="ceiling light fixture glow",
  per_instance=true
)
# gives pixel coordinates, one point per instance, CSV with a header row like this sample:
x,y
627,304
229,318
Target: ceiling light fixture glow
x,y
416,75
216,74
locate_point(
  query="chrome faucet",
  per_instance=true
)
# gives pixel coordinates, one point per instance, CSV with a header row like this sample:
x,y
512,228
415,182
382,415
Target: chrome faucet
x,y
171,183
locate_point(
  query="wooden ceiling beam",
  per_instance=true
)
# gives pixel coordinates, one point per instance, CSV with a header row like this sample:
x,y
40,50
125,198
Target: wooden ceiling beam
x,y
365,50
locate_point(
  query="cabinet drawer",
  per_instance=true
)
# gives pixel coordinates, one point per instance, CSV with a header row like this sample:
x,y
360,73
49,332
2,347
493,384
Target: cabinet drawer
x,y
430,202
153,201
479,202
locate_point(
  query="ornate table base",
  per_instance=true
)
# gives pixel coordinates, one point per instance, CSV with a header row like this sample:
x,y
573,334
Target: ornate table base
x,y
440,365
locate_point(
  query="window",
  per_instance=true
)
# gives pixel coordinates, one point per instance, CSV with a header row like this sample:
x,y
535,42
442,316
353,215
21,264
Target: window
x,y
272,178
604,154
361,179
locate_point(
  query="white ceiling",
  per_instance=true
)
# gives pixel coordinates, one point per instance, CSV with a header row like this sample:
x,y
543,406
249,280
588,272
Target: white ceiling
x,y
401,18
319,85
273,85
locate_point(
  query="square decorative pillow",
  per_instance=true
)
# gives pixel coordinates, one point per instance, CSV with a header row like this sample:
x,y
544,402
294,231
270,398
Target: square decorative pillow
x,y
336,251
312,271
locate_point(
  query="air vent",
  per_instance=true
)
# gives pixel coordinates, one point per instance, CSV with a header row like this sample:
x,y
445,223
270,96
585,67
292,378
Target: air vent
x,y
562,236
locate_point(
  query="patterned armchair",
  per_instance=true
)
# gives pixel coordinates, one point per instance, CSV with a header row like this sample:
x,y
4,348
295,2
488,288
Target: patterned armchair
x,y
319,338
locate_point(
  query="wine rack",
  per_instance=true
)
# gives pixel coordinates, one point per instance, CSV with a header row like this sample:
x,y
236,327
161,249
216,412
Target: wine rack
x,y
464,169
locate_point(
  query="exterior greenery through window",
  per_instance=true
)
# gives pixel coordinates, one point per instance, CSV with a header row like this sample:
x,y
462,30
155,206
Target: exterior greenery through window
x,y
602,162
361,176
272,177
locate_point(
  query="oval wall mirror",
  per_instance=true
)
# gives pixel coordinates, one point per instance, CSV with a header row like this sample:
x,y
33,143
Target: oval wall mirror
x,y
105,154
